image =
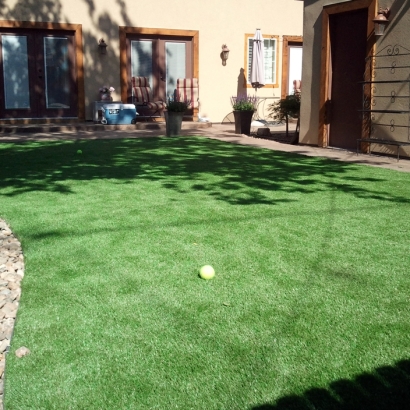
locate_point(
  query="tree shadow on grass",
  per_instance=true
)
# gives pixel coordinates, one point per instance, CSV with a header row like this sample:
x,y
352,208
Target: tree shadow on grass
x,y
235,174
387,388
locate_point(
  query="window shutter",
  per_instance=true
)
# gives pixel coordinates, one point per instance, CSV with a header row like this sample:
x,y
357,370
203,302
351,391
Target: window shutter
x,y
250,51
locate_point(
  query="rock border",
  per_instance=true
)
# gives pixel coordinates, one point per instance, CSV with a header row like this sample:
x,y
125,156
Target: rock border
x,y
11,274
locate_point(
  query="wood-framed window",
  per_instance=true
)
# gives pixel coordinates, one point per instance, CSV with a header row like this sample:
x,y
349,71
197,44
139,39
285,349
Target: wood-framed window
x,y
271,52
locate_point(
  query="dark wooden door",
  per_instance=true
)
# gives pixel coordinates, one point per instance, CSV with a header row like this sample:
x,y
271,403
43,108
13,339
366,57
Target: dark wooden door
x,y
348,38
37,74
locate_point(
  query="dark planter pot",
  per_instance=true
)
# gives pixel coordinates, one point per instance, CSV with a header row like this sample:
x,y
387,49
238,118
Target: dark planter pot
x,y
173,122
243,121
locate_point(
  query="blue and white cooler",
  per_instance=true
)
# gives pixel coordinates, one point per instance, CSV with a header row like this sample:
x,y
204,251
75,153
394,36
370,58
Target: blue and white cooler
x,y
118,114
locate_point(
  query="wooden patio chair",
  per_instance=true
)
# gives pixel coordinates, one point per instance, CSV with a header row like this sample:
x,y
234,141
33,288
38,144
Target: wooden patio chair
x,y
142,97
188,89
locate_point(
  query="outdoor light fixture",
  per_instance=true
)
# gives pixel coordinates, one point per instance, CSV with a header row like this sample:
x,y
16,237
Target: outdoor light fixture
x,y
224,54
380,21
102,46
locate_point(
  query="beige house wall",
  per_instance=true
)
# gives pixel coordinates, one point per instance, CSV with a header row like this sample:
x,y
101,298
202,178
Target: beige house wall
x,y
397,32
218,22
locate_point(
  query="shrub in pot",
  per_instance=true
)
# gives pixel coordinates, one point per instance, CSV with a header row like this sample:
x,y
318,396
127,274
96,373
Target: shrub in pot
x,y
243,109
175,110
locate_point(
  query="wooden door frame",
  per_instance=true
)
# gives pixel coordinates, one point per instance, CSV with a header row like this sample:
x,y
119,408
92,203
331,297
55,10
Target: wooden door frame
x,y
285,60
78,41
125,30
325,69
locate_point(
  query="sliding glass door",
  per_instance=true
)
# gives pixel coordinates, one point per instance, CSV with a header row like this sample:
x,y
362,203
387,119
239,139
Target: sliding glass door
x,y
37,74
161,60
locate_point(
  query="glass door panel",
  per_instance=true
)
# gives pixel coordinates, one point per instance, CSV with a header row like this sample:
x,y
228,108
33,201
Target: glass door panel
x,y
141,59
295,66
57,73
175,57
16,73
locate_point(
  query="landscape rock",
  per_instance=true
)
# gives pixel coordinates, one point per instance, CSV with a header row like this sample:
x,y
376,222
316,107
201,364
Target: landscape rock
x,y
4,344
11,274
22,351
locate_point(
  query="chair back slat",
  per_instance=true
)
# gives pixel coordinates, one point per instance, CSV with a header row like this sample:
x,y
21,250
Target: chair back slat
x,y
188,89
141,89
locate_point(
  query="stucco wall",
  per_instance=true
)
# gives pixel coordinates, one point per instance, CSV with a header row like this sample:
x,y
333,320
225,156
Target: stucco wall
x,y
396,40
397,32
218,22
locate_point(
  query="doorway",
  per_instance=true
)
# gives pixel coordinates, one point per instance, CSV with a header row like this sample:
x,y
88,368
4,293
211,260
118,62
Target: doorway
x,y
348,53
162,60
37,74
343,54
162,55
291,63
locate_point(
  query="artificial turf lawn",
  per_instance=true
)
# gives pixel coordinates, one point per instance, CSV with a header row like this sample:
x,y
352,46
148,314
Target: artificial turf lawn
x,y
309,303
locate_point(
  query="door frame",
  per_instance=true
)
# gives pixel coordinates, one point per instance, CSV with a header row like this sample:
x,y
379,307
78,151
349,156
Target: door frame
x,y
326,69
126,30
78,42
285,60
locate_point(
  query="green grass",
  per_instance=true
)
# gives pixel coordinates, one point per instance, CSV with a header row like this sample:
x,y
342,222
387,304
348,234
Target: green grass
x,y
309,301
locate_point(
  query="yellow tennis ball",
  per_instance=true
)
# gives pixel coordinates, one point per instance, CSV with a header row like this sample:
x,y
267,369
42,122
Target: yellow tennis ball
x,y
207,272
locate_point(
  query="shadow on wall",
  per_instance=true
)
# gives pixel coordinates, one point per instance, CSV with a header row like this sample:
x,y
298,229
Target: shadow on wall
x,y
99,69
386,388
240,90
241,87
399,10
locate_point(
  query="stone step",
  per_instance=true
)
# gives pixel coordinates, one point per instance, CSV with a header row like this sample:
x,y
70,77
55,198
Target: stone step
x,y
90,126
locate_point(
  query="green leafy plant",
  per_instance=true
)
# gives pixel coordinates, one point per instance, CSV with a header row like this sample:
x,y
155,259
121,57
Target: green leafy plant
x,y
244,103
177,105
288,107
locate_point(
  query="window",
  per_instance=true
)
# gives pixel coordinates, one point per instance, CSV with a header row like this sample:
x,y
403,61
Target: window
x,y
270,47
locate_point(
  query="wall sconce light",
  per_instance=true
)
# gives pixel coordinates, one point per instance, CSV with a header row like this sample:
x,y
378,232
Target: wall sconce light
x,y
102,46
380,21
224,54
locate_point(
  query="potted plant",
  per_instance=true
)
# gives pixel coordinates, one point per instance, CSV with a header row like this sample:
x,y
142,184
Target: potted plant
x,y
288,107
243,109
175,110
105,93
